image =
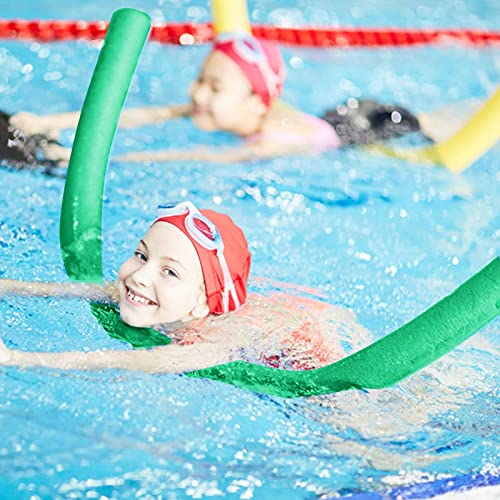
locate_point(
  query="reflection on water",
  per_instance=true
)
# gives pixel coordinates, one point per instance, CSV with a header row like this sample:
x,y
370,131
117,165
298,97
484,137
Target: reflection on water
x,y
380,240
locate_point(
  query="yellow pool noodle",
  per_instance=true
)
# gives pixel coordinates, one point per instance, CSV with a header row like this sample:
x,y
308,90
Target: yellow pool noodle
x,y
478,135
230,16
464,147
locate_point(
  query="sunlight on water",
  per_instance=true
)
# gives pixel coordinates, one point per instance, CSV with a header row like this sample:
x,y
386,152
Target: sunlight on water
x,y
376,236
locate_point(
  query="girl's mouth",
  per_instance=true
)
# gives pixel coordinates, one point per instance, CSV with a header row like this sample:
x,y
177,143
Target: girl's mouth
x,y
198,110
137,299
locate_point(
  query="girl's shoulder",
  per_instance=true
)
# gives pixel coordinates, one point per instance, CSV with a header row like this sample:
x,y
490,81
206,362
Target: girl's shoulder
x,y
294,331
285,124
280,329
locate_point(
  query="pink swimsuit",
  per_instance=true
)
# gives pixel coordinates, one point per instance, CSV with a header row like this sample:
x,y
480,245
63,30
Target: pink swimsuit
x,y
323,138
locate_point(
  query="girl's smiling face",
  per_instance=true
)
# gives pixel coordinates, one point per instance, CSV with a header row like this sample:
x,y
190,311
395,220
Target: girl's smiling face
x,y
163,281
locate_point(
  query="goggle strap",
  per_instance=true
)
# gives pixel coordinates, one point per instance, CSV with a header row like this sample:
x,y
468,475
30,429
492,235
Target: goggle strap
x,y
176,209
254,55
232,35
228,284
271,80
216,244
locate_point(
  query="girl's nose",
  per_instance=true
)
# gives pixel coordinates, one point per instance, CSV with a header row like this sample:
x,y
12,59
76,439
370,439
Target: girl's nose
x,y
142,277
200,93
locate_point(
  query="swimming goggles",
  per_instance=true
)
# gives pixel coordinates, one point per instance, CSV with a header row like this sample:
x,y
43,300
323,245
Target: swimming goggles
x,y
206,234
248,48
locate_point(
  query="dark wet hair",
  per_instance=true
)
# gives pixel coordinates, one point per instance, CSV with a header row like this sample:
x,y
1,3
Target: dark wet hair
x,y
365,121
19,151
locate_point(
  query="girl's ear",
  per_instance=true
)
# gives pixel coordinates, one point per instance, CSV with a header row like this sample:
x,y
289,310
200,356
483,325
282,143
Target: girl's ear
x,y
200,311
257,105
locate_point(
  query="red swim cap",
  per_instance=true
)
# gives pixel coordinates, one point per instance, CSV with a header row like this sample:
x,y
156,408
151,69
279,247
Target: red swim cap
x,y
260,61
236,255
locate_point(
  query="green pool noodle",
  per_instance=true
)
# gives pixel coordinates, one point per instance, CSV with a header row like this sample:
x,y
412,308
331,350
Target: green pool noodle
x,y
139,338
387,361
382,364
81,213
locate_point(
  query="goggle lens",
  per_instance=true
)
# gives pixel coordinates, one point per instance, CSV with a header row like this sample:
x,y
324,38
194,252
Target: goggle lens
x,y
206,234
203,228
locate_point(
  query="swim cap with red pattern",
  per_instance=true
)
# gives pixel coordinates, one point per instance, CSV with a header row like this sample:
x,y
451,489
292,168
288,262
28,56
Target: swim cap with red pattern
x,y
259,60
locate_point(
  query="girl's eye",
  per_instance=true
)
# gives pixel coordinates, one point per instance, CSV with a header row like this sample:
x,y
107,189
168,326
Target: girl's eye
x,y
170,273
140,255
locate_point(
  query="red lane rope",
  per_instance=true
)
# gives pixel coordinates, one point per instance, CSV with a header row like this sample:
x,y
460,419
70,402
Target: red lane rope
x,y
194,33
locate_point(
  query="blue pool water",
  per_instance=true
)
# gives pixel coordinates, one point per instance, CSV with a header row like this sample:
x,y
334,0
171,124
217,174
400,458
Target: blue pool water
x,y
384,238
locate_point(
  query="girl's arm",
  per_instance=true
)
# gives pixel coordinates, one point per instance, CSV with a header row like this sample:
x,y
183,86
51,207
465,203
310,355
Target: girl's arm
x,y
165,359
51,125
443,122
89,291
224,155
136,117
227,155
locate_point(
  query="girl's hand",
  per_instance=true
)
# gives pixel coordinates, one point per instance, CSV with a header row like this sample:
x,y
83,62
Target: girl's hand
x,y
5,354
32,124
8,286
57,153
111,291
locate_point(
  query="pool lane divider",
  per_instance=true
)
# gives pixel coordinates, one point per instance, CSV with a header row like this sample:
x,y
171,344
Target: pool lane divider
x,y
383,363
185,33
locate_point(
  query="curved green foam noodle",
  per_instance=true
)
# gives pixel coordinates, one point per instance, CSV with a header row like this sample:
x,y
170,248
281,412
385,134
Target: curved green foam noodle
x,y
81,213
383,363
460,150
387,361
139,338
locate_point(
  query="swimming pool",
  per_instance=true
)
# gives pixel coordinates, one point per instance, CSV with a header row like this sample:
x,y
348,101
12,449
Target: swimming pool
x,y
383,238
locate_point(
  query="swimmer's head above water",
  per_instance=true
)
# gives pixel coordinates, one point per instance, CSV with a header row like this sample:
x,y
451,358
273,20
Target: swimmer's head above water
x,y
189,264
237,84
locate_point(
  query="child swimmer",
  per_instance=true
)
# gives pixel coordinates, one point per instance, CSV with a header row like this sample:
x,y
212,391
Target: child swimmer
x,y
188,279
237,91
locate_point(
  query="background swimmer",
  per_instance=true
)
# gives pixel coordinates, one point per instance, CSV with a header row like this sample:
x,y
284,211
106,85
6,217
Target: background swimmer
x,y
188,272
20,149
237,91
